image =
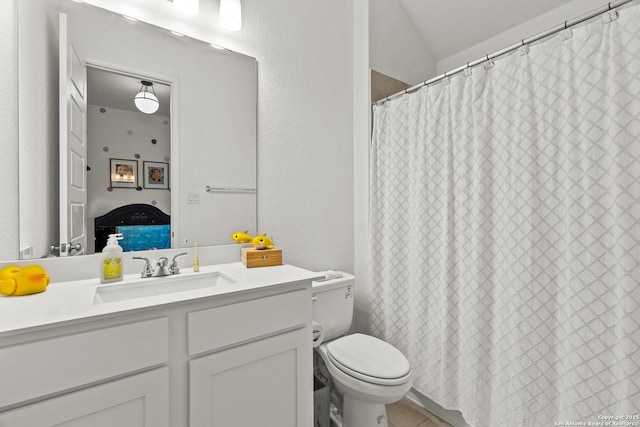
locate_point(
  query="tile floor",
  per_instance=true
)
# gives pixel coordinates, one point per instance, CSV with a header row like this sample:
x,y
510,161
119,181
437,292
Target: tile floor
x,y
407,414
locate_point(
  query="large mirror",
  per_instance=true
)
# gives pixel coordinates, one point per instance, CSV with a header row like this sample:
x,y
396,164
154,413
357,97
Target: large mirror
x,y
201,143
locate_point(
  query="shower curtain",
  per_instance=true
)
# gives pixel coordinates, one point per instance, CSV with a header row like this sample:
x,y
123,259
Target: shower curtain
x,y
505,232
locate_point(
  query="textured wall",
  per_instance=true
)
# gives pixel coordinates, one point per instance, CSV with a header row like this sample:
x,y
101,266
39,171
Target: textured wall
x,y
305,127
522,31
38,131
9,126
396,49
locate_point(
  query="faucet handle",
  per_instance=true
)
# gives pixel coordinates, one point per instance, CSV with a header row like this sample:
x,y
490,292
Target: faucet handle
x,y
147,271
174,264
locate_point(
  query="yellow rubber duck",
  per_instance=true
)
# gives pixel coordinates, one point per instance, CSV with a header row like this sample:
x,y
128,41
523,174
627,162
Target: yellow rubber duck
x,y
262,242
31,279
242,237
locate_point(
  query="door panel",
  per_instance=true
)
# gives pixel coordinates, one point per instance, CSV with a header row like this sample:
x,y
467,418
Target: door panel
x,y
73,145
255,384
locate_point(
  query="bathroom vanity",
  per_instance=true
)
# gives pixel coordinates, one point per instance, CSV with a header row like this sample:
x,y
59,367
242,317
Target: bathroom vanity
x,y
228,346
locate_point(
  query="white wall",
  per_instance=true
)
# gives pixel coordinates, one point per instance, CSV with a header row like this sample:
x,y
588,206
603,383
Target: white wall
x,y
305,120
38,131
124,134
396,49
9,125
519,32
361,144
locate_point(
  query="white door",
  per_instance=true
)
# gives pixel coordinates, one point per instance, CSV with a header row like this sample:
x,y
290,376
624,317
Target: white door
x,y
265,383
73,145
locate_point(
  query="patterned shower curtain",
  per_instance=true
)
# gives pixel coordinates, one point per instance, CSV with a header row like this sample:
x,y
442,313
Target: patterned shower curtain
x,y
505,232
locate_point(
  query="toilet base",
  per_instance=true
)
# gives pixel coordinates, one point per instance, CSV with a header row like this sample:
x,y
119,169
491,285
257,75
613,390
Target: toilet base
x,y
357,413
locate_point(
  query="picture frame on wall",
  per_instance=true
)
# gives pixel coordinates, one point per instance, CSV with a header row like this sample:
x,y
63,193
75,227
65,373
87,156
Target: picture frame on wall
x,y
156,175
123,173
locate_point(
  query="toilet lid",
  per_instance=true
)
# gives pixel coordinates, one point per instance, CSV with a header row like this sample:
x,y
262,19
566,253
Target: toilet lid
x,y
369,359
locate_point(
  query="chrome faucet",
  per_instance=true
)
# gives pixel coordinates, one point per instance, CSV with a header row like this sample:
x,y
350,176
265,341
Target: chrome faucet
x,y
162,266
174,264
147,271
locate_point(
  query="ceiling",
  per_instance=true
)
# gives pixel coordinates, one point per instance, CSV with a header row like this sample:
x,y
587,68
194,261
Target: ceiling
x,y
113,90
450,26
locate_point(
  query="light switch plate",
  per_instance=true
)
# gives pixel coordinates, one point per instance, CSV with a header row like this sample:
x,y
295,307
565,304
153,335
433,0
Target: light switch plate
x,y
193,198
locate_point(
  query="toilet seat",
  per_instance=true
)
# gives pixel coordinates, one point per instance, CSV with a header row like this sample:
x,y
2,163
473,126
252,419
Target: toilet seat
x,y
369,359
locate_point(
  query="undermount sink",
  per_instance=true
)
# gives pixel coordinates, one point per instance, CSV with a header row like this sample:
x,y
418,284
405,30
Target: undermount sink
x,y
143,288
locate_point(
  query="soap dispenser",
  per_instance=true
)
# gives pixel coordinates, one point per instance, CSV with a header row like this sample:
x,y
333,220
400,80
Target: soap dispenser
x,y
112,265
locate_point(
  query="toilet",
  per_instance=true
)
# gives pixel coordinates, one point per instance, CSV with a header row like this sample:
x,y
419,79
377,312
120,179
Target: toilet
x,y
366,370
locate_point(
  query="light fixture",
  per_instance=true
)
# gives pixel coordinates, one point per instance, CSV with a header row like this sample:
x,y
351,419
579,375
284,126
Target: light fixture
x,y
216,46
146,101
187,7
230,15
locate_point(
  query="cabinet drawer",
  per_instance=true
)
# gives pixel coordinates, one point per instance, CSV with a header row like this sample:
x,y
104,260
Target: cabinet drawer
x,y
49,366
219,327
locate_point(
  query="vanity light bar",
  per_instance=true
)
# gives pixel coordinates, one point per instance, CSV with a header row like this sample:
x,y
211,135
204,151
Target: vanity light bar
x,y
175,33
210,189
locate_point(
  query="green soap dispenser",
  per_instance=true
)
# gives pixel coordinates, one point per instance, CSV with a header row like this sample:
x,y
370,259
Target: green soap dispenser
x,y
111,267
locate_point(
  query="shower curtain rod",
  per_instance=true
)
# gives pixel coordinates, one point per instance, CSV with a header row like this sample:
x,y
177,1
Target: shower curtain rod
x,y
566,24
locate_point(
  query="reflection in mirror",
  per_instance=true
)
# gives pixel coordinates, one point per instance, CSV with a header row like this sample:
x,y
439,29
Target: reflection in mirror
x,y
131,169
210,129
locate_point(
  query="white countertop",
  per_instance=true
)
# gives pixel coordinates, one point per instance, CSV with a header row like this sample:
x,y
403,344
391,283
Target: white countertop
x,y
74,300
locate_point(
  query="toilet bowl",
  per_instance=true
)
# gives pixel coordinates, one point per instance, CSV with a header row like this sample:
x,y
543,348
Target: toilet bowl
x,y
369,372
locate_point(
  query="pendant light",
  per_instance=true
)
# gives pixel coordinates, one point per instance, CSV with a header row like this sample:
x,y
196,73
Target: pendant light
x,y
187,7
146,101
230,15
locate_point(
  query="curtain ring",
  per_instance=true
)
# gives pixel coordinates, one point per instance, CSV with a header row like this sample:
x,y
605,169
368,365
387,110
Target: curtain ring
x,y
609,5
467,71
565,25
522,42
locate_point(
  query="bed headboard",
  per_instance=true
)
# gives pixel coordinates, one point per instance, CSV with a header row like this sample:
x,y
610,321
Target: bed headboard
x,y
134,214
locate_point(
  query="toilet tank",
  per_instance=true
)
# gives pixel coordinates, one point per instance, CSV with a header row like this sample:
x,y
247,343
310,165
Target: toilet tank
x,y
333,304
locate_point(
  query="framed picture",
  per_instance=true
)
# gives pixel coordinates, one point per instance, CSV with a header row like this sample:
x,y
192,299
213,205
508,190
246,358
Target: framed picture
x,y
124,173
156,175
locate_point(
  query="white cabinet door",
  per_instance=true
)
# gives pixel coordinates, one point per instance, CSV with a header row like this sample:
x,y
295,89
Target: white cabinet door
x,y
141,400
264,383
